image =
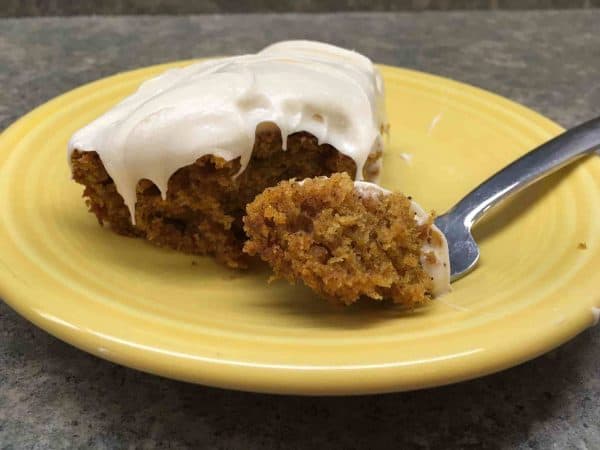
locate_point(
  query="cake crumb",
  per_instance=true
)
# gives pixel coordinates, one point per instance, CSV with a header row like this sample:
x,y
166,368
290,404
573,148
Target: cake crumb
x,y
582,246
406,157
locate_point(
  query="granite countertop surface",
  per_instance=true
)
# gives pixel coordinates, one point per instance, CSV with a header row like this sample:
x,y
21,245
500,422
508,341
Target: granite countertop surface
x,y
55,396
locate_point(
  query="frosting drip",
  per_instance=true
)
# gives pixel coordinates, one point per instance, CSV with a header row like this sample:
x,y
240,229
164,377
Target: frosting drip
x,y
213,107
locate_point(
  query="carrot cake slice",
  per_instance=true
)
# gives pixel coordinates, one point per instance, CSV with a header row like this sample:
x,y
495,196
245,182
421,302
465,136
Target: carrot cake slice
x,y
177,162
348,240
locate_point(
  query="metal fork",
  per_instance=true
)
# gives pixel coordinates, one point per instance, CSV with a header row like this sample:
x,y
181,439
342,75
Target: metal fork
x,y
457,223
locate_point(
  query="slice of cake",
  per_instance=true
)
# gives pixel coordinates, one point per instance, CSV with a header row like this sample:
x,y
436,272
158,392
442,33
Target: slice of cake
x,y
177,161
347,240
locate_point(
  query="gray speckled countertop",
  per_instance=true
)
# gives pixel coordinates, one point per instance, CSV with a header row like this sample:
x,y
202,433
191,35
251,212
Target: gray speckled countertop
x,y
54,396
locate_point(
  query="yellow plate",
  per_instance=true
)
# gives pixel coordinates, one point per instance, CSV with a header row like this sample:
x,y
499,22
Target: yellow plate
x,y
187,318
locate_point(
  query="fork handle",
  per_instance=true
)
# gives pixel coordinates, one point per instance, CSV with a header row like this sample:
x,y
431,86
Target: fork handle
x,y
533,166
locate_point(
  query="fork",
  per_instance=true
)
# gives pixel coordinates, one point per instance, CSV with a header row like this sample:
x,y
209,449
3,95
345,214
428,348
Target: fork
x,y
456,224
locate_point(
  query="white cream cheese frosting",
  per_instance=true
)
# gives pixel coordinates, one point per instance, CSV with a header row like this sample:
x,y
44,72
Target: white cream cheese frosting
x,y
213,107
437,268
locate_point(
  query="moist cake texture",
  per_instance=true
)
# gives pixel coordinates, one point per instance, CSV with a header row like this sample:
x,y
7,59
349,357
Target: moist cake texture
x,y
347,242
177,161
